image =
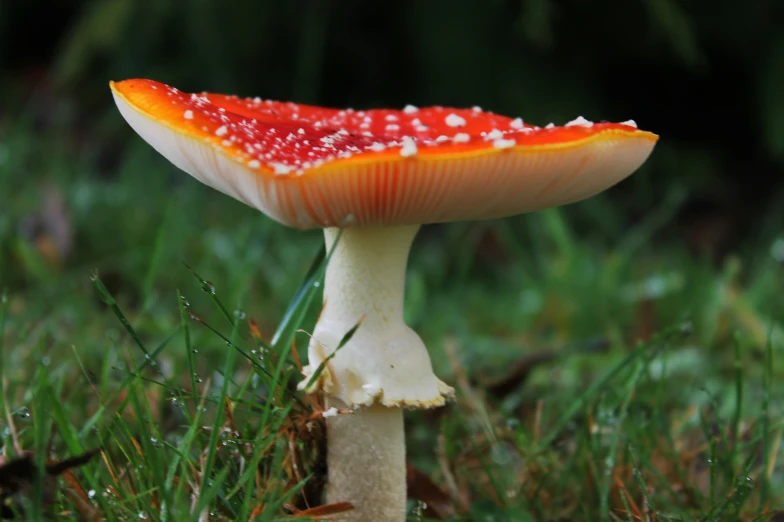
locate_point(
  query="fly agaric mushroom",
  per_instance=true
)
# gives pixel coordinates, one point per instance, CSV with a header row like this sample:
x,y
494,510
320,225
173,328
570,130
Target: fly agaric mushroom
x,y
389,171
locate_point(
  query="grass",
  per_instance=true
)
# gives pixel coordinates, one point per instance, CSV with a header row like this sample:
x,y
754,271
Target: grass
x,y
602,372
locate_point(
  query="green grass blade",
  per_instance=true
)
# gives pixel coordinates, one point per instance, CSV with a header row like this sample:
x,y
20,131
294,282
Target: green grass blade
x,y
609,463
186,331
345,339
107,298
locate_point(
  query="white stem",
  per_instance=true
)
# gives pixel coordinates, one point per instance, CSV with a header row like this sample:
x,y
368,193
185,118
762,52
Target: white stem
x,y
383,367
366,457
385,362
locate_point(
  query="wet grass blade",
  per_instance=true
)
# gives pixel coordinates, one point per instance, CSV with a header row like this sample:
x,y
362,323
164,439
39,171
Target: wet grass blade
x,y
123,385
107,298
609,463
245,354
208,288
207,490
70,436
186,331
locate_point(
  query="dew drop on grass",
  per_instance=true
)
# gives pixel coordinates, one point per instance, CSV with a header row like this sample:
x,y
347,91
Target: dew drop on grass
x,y
239,314
91,493
197,378
23,412
208,287
194,351
419,510
185,302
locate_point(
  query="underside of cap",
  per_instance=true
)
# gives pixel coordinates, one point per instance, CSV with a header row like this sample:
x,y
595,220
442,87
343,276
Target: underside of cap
x,y
312,167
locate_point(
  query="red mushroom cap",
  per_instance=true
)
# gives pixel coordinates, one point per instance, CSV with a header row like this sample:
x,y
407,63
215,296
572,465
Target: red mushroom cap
x,y
311,167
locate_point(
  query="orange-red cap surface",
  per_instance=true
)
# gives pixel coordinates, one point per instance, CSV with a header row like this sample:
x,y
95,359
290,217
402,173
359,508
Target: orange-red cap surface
x,y
310,167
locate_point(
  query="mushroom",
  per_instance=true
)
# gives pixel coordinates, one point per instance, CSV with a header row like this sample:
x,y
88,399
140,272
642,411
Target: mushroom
x,y
387,172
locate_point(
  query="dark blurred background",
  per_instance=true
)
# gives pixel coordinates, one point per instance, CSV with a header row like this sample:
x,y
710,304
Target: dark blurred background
x,y
707,75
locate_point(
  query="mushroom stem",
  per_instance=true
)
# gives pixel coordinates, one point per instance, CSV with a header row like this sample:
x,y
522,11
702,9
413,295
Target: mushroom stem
x,y
384,366
385,362
366,457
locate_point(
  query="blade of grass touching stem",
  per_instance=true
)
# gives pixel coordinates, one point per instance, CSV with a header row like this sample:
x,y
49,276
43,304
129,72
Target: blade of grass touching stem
x,y
343,341
298,307
299,303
